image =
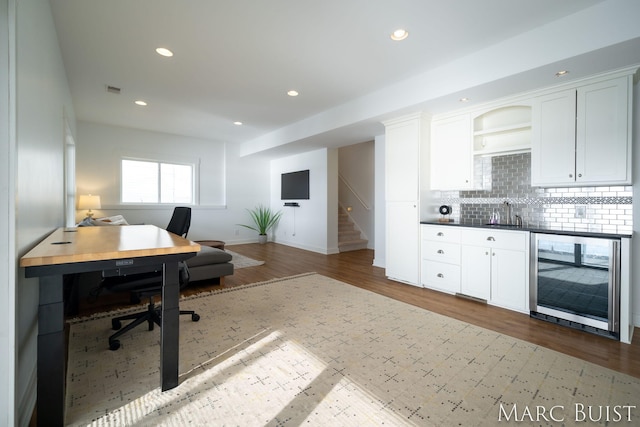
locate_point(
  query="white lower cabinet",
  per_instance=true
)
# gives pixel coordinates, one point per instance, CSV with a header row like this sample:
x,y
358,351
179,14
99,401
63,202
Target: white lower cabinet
x,y
495,275
495,266
476,272
488,264
441,276
508,282
440,265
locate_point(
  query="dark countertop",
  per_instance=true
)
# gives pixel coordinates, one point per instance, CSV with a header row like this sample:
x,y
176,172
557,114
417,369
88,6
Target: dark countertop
x,y
532,229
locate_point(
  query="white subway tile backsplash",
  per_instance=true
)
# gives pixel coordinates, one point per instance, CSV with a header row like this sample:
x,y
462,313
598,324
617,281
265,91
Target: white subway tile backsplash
x,y
507,178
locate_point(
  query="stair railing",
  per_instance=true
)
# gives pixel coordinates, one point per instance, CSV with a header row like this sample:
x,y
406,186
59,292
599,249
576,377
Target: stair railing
x,y
350,188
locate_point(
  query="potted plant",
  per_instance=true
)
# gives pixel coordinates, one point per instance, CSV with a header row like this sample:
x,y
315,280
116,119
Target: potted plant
x,y
264,219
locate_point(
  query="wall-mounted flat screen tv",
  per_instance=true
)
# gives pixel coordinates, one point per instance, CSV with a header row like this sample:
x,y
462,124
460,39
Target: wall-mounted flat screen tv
x,y
295,185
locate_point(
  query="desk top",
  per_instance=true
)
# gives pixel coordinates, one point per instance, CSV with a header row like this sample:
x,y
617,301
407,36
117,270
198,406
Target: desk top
x,y
82,244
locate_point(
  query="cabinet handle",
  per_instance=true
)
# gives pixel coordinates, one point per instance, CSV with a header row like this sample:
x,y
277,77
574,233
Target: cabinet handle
x,y
440,234
579,175
570,175
491,239
440,251
486,253
440,275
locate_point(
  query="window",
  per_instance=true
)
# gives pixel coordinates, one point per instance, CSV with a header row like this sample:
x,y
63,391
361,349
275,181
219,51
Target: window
x,y
144,181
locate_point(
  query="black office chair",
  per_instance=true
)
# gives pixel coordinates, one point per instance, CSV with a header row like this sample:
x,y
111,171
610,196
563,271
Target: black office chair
x,y
180,221
148,285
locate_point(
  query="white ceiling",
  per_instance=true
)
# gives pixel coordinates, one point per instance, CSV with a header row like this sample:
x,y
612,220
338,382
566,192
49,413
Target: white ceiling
x,y
236,59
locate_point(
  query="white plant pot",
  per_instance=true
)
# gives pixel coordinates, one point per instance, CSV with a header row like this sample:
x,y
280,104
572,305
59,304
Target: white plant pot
x,y
262,238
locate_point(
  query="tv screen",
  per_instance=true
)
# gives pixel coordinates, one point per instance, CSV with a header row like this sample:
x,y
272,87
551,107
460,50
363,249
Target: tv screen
x,y
295,185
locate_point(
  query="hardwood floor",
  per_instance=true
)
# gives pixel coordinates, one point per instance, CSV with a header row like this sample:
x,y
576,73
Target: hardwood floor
x,y
356,269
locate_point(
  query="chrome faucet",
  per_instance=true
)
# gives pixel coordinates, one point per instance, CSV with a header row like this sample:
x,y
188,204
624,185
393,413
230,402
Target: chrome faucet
x,y
518,220
508,216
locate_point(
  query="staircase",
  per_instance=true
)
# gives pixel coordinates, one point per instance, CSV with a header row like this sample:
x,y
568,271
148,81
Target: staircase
x,y
349,239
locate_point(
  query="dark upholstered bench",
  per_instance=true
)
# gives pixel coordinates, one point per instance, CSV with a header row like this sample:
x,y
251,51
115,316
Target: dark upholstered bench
x,y
212,243
210,263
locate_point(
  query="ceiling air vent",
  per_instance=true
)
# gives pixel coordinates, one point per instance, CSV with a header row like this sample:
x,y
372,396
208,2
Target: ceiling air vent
x,y
113,89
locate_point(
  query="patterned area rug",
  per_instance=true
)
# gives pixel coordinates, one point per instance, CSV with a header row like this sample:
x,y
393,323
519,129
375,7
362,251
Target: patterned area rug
x,y
241,261
315,351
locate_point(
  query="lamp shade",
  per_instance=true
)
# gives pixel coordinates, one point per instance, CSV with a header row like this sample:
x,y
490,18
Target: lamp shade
x,y
88,201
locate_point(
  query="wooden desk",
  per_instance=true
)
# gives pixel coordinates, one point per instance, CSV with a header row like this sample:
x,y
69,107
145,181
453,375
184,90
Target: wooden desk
x,y
84,249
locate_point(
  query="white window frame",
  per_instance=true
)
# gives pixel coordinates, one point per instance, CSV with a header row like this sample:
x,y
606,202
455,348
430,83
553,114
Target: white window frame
x,y
195,187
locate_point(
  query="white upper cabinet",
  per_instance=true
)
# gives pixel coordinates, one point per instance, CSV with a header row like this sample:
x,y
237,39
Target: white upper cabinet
x,y
603,133
553,152
451,156
582,136
402,158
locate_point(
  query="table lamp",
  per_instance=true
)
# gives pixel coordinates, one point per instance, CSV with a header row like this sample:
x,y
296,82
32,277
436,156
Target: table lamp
x,y
88,201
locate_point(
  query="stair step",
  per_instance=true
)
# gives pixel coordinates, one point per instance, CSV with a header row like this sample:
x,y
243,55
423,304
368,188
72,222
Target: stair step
x,y
344,236
352,245
349,238
345,227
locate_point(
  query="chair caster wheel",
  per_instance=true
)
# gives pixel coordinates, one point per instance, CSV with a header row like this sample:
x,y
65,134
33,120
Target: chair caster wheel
x,y
195,317
115,324
114,345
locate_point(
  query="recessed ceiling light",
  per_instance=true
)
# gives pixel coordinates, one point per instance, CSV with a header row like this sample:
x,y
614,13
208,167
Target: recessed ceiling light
x,y
464,100
141,103
237,123
293,93
562,73
164,52
399,34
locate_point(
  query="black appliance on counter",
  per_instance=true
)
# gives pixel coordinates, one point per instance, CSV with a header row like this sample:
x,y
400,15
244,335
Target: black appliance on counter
x,y
575,281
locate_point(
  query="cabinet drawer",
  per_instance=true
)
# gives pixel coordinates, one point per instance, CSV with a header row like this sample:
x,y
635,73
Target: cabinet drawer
x,y
514,240
441,251
441,276
441,233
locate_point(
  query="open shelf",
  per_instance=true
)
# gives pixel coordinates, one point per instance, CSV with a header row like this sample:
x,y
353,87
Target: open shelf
x,y
503,130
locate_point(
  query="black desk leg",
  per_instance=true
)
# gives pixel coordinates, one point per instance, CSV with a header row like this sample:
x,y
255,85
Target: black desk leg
x,y
51,352
170,333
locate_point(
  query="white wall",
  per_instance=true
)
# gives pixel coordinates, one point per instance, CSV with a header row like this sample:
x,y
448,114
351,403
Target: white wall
x,y
314,225
101,147
42,100
243,181
356,186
